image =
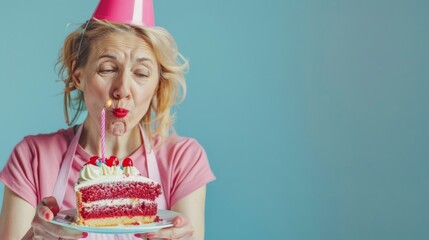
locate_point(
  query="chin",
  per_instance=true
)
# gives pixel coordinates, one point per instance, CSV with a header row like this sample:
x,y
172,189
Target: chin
x,y
118,128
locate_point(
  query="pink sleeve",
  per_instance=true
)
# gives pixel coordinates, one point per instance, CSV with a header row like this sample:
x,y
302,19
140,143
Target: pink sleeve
x,y
190,167
18,173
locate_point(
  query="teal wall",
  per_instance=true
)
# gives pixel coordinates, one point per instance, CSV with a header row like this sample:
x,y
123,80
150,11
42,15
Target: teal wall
x,y
313,113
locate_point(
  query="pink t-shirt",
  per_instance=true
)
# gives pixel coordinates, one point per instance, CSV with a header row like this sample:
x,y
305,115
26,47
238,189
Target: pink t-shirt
x,y
33,167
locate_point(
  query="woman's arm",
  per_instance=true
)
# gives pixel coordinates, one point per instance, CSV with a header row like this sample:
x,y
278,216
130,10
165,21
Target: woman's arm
x,y
16,216
193,208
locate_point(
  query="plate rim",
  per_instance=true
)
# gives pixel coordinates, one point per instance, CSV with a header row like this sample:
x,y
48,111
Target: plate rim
x,y
121,229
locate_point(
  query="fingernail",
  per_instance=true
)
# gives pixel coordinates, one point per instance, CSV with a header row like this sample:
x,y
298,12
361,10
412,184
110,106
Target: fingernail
x,y
150,235
178,221
47,216
84,234
138,235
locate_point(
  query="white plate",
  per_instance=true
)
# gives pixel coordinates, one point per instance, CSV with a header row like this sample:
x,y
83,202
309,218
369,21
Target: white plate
x,y
65,219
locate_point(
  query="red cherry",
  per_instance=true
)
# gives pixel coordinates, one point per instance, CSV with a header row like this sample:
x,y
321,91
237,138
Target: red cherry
x,y
127,162
112,161
93,160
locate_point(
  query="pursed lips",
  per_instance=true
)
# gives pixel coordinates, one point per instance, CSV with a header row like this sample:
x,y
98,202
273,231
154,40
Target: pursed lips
x,y
120,112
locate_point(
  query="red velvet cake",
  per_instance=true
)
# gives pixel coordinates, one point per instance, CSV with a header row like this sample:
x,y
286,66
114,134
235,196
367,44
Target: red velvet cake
x,y
109,195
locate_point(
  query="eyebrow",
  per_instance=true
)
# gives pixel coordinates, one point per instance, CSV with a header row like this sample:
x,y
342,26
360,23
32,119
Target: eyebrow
x,y
142,59
107,56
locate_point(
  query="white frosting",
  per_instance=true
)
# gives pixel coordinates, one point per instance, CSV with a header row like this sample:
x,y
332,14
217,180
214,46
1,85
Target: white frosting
x,y
106,170
89,172
116,202
116,170
112,178
131,171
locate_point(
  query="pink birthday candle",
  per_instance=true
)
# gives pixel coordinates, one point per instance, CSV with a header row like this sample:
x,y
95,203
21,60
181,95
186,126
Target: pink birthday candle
x,y
103,133
103,129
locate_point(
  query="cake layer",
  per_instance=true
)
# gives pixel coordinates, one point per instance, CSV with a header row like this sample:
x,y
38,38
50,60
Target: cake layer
x,y
144,209
114,221
115,190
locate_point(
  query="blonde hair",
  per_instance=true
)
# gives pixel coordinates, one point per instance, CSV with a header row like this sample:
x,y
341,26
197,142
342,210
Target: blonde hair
x,y
171,88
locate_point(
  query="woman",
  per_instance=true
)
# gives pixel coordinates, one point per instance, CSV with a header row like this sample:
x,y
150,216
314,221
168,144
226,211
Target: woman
x,y
136,67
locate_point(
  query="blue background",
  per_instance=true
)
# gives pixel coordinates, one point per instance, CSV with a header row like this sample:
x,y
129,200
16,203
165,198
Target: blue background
x,y
313,113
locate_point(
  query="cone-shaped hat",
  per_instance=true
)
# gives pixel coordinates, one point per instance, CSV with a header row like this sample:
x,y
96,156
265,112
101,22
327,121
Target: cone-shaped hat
x,y
133,12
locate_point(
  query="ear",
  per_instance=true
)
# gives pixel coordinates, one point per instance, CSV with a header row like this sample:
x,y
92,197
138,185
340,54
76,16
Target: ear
x,y
76,76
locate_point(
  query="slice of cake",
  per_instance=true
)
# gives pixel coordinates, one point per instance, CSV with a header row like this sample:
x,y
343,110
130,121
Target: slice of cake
x,y
109,195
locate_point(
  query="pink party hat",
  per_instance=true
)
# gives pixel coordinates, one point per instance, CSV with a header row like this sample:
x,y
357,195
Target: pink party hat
x,y
133,12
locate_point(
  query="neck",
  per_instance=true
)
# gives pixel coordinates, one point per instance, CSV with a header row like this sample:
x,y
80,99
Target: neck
x,y
119,146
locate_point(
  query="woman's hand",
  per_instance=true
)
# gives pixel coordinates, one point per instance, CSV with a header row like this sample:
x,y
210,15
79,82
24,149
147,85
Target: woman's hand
x,y
43,229
182,229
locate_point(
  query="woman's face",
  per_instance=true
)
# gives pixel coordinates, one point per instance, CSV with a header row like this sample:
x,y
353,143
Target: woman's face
x,y
121,67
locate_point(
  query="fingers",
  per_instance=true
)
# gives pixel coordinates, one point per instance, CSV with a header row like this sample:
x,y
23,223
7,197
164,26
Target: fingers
x,y
145,236
179,221
52,231
40,234
43,212
182,229
52,204
44,229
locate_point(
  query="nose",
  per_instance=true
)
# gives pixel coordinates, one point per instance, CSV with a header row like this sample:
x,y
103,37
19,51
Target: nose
x,y
121,87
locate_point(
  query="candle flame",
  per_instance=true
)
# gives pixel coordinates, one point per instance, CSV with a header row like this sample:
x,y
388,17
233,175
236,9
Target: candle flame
x,y
108,103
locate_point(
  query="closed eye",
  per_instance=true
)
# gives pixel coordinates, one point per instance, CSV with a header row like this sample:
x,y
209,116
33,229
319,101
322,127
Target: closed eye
x,y
142,73
107,71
